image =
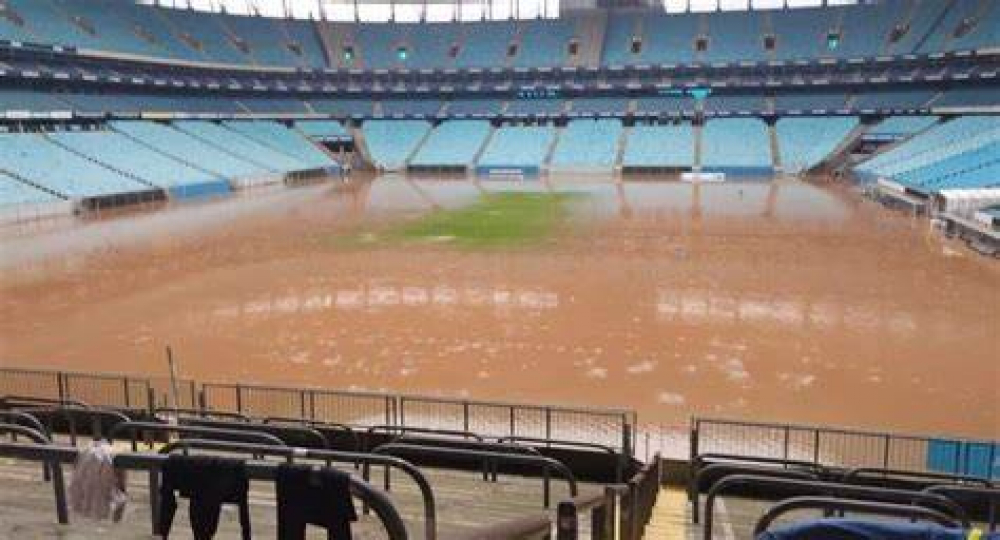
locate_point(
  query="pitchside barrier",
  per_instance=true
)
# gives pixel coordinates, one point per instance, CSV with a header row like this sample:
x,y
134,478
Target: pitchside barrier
x,y
610,427
846,448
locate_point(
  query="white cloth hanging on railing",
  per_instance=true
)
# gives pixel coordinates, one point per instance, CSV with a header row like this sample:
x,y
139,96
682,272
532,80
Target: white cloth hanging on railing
x,y
97,489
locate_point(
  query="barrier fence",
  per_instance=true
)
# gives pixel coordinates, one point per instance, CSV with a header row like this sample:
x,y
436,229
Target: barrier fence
x,y
611,427
846,448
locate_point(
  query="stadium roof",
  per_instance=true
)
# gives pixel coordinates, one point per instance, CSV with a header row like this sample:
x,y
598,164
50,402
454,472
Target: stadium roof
x,y
446,10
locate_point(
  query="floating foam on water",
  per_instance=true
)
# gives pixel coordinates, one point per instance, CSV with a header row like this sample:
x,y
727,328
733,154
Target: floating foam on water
x,y
671,398
645,366
597,373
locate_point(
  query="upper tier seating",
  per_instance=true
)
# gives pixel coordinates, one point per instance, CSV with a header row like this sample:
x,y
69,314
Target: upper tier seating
x,y
664,106
897,126
392,142
32,156
265,38
897,100
544,43
121,153
289,142
969,97
590,144
805,142
535,107
975,168
659,146
206,35
240,145
862,30
411,107
453,143
810,102
484,45
188,149
600,106
520,146
475,107
736,144
13,193
323,130
342,107
28,101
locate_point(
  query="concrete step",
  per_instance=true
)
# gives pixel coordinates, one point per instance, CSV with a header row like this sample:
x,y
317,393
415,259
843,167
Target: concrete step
x,y
670,517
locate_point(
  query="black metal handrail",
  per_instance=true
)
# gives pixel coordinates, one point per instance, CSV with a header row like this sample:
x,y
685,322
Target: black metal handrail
x,y
313,438
32,401
372,497
831,504
397,430
534,527
546,463
723,470
992,495
620,458
49,467
25,419
490,470
829,489
856,473
200,413
97,417
328,456
320,425
134,428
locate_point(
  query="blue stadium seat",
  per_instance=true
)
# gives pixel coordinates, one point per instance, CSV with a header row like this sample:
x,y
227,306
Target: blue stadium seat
x,y
806,142
588,144
391,142
518,146
737,146
453,143
660,146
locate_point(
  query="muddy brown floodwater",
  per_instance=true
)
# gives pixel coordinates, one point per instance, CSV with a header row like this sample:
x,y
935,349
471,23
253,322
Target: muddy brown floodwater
x,y
778,301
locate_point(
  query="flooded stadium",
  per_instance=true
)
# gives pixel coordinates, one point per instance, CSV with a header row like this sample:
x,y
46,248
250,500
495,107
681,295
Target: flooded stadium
x,y
769,300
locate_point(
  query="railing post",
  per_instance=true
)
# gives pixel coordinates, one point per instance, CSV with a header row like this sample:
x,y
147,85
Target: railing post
x,y
202,400
63,386
785,451
513,427
128,403
302,403
885,455
566,521
548,424
816,440
150,400
465,415
239,399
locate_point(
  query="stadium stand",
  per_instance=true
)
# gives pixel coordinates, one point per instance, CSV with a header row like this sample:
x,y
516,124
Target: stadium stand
x,y
544,43
659,147
237,144
130,158
392,142
805,142
956,153
411,107
518,147
474,107
189,150
489,48
588,145
32,156
535,107
737,146
810,103
663,106
902,126
960,98
15,193
452,144
286,141
901,100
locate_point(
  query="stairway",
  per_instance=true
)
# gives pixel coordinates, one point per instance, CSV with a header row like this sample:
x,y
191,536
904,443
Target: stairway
x,y
482,148
591,27
670,516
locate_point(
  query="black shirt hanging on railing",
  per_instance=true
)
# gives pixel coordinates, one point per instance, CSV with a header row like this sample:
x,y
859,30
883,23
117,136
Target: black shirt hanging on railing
x,y
207,482
313,496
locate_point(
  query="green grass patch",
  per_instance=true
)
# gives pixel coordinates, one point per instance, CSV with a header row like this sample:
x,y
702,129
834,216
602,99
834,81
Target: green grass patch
x,y
508,219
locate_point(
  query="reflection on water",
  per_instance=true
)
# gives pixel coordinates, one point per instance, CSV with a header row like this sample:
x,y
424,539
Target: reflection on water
x,y
373,297
697,307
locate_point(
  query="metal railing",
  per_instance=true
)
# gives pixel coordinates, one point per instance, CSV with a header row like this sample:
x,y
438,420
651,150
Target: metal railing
x,y
829,489
614,428
830,446
56,455
832,504
497,456
329,457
